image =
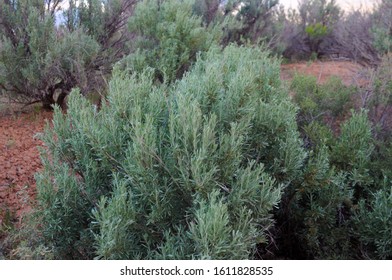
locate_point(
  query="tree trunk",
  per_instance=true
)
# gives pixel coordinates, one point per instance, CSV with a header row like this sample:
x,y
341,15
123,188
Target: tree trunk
x,y
61,98
48,101
48,98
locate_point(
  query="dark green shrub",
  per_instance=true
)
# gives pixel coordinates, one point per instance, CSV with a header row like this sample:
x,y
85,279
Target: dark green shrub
x,y
338,208
337,96
352,150
321,101
316,33
377,99
374,223
310,28
322,204
318,135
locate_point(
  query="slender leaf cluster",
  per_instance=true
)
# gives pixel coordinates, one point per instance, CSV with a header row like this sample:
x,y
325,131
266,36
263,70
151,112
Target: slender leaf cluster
x,y
168,38
190,171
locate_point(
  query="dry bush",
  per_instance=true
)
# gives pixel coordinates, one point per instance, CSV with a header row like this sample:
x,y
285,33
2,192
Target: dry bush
x,y
349,35
352,39
376,96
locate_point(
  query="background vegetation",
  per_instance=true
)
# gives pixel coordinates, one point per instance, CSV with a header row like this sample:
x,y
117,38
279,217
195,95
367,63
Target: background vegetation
x,y
195,149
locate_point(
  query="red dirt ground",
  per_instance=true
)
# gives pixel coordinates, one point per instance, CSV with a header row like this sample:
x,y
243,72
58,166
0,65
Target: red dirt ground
x,y
19,157
351,73
19,161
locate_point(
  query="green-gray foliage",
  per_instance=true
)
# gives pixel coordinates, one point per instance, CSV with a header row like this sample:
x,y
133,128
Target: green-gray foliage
x,y
381,28
169,37
105,21
379,100
382,40
190,171
40,60
317,101
338,178
210,10
322,204
379,103
325,12
352,151
374,223
255,21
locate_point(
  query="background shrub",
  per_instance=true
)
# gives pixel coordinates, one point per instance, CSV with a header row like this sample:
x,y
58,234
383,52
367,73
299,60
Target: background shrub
x,y
321,101
309,28
381,28
321,205
169,37
41,60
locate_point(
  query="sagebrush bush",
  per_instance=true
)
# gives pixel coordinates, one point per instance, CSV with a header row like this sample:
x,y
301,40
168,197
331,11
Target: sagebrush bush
x,y
168,38
186,171
321,205
337,206
352,150
308,29
382,37
376,97
320,101
379,97
253,21
41,60
374,223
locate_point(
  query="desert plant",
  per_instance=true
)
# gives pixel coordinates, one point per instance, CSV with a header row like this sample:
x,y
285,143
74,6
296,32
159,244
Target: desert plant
x,y
209,9
255,21
316,32
42,62
22,242
374,221
310,26
169,37
352,38
321,206
379,96
382,26
172,172
376,97
319,18
106,22
321,102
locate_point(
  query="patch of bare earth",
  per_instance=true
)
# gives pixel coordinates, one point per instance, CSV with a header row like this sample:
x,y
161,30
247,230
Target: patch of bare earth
x,y
350,73
19,161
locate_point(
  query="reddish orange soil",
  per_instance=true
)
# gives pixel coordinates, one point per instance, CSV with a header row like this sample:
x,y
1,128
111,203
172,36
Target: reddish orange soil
x,y
19,156
351,73
19,161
